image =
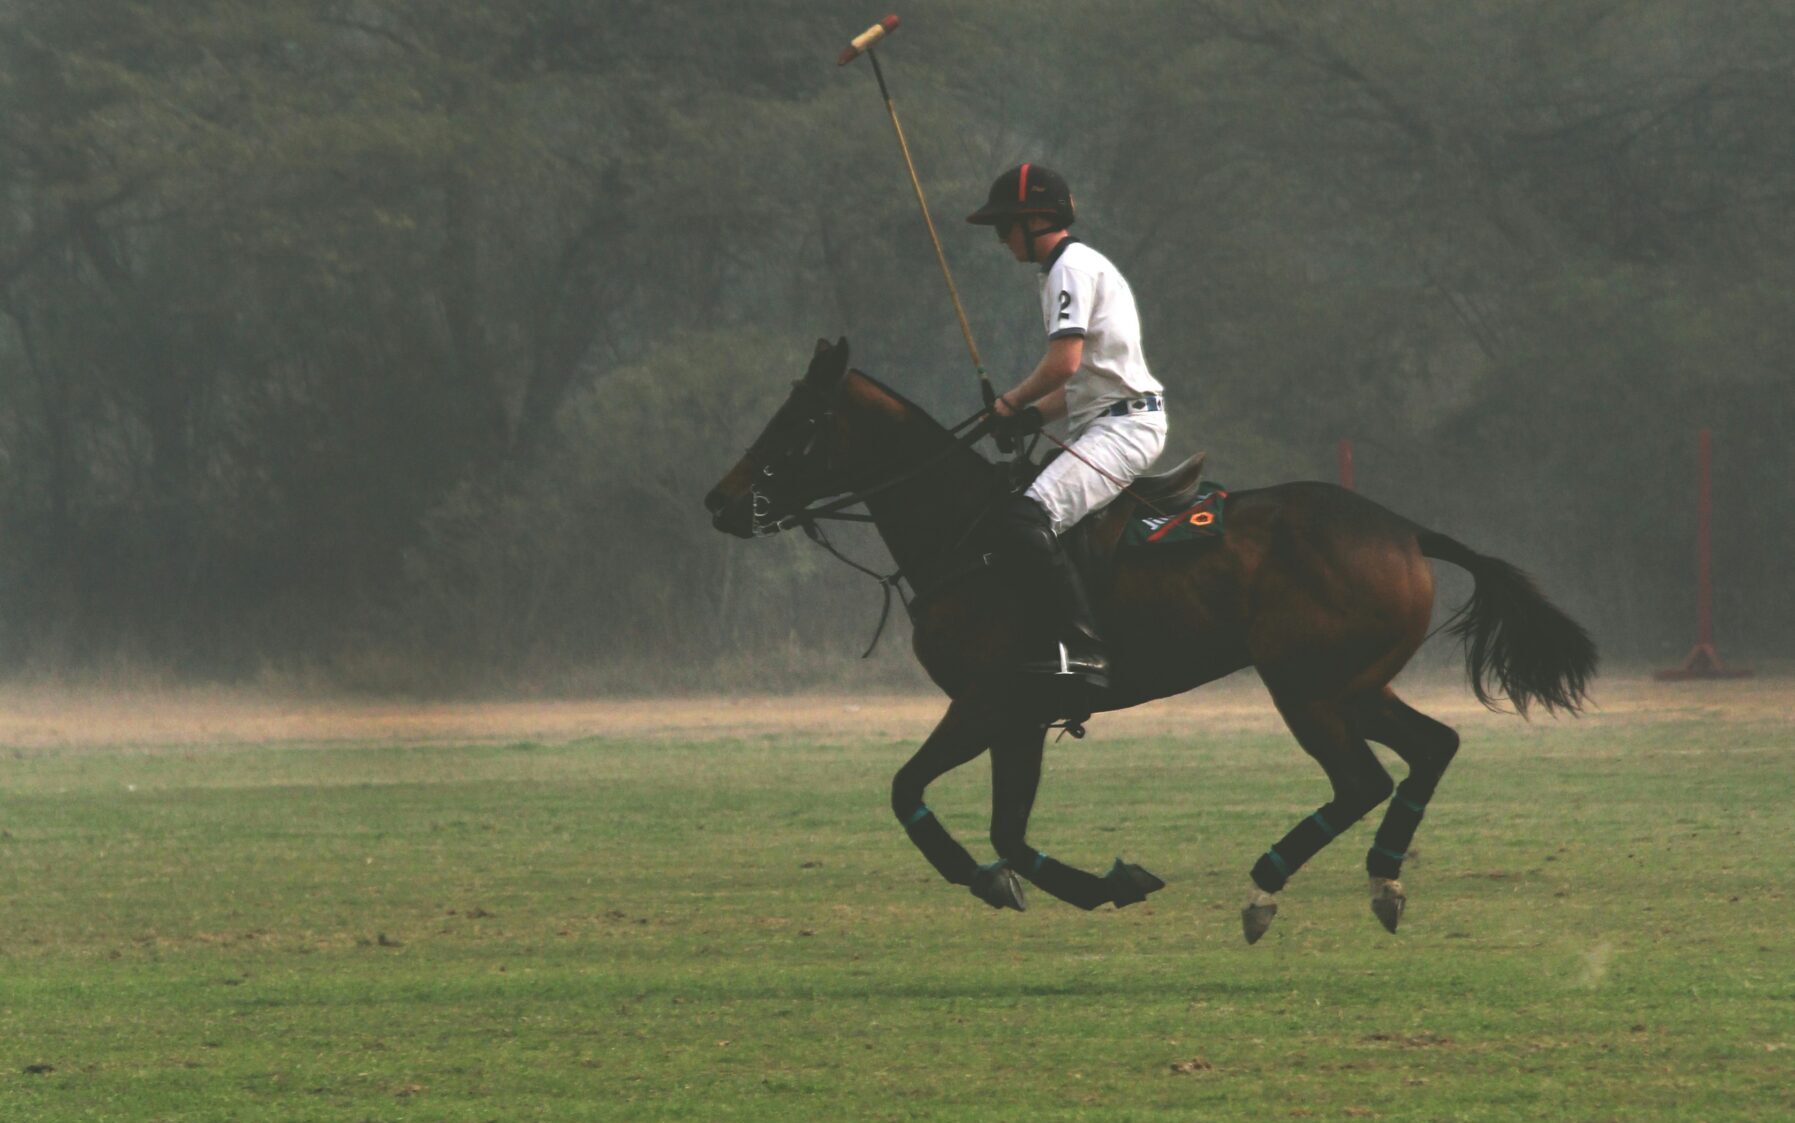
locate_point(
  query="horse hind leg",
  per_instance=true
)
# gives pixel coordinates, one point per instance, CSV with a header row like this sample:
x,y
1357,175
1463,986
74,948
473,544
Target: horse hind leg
x,y
1427,747
1359,782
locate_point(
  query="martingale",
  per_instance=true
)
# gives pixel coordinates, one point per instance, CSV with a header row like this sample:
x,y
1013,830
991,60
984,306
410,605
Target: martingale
x,y
1202,520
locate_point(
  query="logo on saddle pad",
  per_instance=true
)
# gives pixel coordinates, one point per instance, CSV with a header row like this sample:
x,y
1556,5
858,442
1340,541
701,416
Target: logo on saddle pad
x,y
1201,520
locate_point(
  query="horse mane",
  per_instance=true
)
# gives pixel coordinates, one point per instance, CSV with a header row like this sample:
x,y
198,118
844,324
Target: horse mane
x,y
914,412
910,407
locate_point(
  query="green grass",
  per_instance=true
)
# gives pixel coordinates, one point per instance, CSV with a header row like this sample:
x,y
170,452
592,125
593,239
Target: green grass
x,y
1599,928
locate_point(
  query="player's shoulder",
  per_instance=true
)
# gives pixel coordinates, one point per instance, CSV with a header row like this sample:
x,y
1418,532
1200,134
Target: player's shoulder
x,y
1081,258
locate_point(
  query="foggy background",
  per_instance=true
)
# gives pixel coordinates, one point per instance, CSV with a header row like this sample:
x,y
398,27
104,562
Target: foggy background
x,y
394,343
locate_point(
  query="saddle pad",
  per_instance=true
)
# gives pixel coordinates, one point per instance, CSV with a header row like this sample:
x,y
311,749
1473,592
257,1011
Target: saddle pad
x,y
1201,520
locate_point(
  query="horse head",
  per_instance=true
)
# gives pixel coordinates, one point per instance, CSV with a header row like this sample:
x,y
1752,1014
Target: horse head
x,y
791,464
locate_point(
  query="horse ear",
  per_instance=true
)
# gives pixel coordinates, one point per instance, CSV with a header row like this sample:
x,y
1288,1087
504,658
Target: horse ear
x,y
829,363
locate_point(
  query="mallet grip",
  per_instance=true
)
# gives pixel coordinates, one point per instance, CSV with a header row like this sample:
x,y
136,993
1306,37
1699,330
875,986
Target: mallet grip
x,y
866,39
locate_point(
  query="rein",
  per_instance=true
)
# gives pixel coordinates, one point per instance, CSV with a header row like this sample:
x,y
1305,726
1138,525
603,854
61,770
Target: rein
x,y
965,434
975,428
1123,484
887,582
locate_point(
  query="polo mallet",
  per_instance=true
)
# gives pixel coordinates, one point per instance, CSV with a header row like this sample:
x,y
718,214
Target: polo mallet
x,y
862,44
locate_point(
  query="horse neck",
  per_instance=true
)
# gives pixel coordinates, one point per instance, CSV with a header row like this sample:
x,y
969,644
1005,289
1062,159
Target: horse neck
x,y
923,518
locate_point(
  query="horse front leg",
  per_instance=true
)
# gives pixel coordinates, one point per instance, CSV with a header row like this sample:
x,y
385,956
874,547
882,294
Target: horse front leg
x,y
1016,754
962,734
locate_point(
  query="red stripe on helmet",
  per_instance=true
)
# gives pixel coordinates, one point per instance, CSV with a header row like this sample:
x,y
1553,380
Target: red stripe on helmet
x,y
1022,185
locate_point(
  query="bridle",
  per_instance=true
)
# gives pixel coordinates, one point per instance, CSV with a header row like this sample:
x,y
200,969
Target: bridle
x,y
763,502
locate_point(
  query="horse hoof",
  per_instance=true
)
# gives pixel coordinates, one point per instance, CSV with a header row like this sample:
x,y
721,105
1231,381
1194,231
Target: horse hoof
x,y
1129,884
1257,916
1387,901
998,886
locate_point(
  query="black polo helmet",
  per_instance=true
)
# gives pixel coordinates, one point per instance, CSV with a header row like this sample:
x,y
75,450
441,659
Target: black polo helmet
x,y
1027,190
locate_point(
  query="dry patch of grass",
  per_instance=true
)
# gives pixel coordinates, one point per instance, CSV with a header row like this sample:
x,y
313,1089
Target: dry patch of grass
x,y
50,717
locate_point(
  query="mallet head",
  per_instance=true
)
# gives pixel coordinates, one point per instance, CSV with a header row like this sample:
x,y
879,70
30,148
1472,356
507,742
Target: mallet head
x,y
866,39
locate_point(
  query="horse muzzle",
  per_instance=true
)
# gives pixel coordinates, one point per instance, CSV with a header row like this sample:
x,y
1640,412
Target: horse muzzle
x,y
735,517
744,516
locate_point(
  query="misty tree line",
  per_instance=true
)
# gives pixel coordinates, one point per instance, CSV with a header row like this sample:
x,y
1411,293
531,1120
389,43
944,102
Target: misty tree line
x,y
401,338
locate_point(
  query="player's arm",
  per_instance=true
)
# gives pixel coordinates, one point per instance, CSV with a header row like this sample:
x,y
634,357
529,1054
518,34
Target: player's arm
x,y
1049,378
1052,404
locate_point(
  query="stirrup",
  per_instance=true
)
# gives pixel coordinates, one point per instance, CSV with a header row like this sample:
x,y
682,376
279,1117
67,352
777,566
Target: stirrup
x,y
1085,669
1059,691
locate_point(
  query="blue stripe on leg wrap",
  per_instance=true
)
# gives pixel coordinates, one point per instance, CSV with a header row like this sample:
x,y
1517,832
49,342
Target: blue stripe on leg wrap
x,y
1278,863
1040,859
922,812
1393,855
1323,824
1417,808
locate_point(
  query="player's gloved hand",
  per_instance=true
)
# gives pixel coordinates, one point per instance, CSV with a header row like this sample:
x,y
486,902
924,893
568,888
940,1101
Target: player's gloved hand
x,y
1017,425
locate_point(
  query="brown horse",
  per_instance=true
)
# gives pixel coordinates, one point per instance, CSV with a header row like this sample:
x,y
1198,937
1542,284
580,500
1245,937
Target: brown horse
x,y
1326,594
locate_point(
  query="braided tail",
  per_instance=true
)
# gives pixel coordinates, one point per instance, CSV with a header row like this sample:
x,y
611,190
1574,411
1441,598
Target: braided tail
x,y
1518,644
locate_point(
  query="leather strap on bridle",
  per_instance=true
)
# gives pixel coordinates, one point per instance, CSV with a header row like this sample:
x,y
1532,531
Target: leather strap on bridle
x,y
966,433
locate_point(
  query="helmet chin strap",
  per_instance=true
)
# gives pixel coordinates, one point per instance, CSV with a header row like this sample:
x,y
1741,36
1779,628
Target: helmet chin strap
x,y
1029,236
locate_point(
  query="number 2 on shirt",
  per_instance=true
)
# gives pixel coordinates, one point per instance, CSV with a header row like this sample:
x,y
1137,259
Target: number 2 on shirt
x,y
1065,302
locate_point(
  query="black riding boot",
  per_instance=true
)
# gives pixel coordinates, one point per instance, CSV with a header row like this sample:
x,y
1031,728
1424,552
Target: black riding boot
x,y
1077,664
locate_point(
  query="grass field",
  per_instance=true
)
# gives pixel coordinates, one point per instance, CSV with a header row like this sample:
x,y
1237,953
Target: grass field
x,y
709,914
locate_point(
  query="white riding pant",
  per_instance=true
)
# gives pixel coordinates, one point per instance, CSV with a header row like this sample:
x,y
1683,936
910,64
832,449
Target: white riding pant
x,y
1123,447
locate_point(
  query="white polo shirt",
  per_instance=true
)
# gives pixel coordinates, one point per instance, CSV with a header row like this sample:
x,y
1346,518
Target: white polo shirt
x,y
1083,293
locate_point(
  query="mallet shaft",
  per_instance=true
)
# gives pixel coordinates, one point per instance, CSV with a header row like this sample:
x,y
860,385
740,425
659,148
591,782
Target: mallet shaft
x,y
947,274
863,44
934,239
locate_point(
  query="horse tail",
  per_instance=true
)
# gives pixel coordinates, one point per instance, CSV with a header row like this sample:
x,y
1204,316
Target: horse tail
x,y
1517,643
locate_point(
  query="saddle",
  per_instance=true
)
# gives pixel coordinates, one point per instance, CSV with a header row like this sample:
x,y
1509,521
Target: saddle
x,y
1093,542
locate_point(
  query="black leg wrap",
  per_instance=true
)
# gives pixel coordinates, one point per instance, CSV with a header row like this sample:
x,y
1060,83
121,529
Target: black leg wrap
x,y
1282,861
1394,834
1270,872
1073,886
1382,862
949,858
